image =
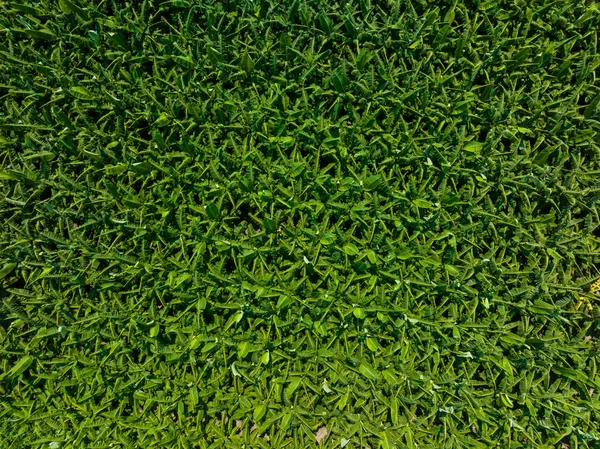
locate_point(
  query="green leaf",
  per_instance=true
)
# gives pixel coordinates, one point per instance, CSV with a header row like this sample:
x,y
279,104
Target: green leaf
x,y
247,63
512,339
394,411
158,137
68,7
212,211
81,93
452,270
372,344
368,371
351,249
259,412
386,440
20,367
44,34
132,202
209,347
422,203
184,61
403,253
371,256
359,313
327,238
265,358
541,158
591,108
339,81
488,5
26,9
473,147
343,400
243,349
286,142
195,342
373,182
286,419
154,330
291,388
7,269
390,377
214,55
270,226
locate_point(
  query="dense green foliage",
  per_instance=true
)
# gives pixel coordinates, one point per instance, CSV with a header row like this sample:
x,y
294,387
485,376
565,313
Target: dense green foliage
x,y
291,224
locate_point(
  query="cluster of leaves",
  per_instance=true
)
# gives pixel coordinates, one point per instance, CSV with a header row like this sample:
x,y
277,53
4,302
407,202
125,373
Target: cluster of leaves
x,y
288,224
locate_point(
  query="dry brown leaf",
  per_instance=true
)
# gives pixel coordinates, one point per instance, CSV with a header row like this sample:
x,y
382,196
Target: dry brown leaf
x,y
321,434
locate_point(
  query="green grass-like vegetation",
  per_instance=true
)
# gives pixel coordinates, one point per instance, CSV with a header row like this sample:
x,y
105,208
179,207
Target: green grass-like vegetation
x,y
294,224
